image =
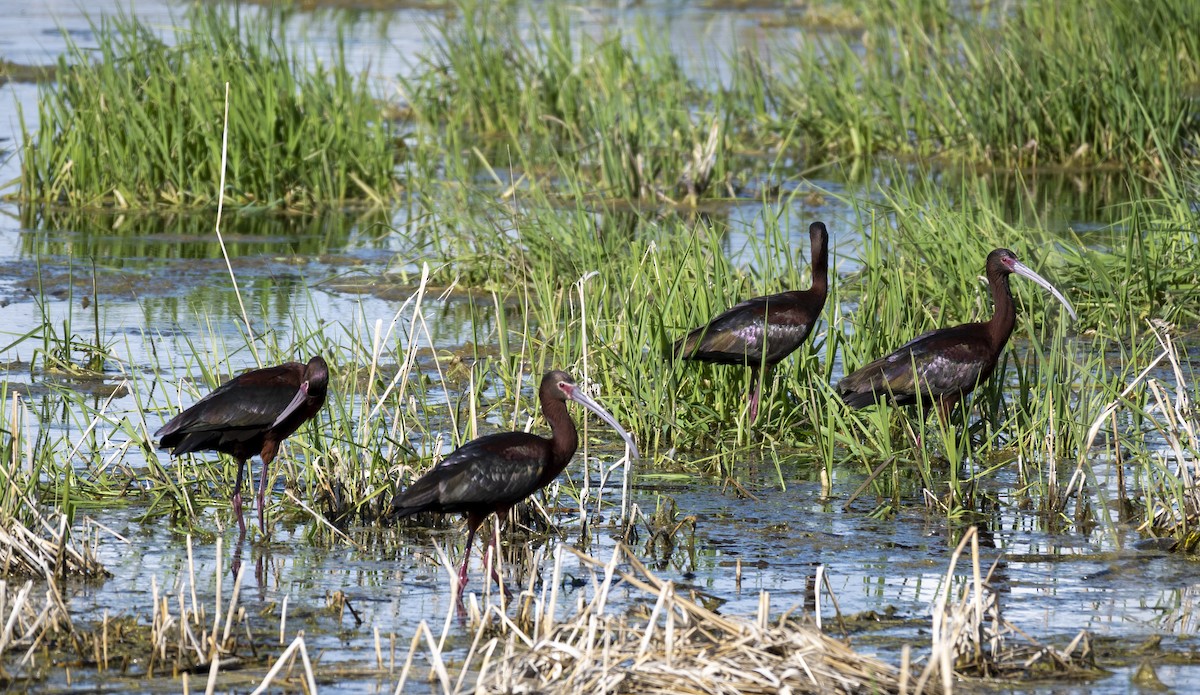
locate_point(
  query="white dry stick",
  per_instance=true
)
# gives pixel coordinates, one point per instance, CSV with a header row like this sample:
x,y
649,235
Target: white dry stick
x,y
817,589
221,239
412,651
237,588
410,354
192,579
584,495
321,520
451,570
217,599
435,659
437,364
546,616
283,619
18,604
214,666
482,627
16,429
664,595
83,436
837,608
1083,467
310,680
942,632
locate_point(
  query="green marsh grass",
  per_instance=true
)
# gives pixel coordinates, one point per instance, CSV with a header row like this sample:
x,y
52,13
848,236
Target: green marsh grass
x,y
570,279
1092,83
650,277
603,294
38,489
610,117
64,349
119,240
138,122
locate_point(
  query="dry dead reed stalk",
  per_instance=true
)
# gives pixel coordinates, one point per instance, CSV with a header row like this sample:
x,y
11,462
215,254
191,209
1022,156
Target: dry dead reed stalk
x,y
33,543
972,640
1175,417
1173,493
287,657
28,617
47,553
681,647
677,646
186,641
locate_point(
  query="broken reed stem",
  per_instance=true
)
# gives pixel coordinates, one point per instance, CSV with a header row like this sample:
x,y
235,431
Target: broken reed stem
x,y
585,493
942,657
233,601
297,645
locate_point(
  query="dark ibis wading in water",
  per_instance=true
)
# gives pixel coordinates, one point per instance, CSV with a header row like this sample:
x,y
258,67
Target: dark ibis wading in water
x,y
760,332
496,471
944,365
247,415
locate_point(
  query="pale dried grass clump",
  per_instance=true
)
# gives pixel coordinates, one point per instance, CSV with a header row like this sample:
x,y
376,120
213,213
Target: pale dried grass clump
x,y
681,647
33,543
1172,490
45,551
28,616
972,640
677,646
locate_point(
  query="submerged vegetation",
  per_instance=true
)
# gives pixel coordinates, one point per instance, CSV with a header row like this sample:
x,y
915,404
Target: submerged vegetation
x,y
578,200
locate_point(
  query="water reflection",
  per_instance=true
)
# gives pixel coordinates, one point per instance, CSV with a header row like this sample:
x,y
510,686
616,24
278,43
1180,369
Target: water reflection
x,y
130,239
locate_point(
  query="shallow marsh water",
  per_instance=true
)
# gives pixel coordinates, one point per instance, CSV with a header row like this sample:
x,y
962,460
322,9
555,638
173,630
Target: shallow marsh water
x,y
164,288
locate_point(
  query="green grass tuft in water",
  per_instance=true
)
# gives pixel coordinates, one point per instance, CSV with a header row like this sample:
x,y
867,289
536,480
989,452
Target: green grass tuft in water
x,y
138,121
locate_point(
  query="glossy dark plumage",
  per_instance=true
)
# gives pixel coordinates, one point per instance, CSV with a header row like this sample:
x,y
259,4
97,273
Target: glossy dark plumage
x,y
946,364
247,415
494,472
760,332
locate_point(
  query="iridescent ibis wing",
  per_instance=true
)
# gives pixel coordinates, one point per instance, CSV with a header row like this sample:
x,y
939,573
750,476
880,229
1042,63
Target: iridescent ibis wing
x,y
944,363
776,324
236,413
492,472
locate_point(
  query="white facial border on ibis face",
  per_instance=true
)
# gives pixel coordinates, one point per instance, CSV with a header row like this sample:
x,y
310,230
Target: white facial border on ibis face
x,y
576,394
301,396
1021,269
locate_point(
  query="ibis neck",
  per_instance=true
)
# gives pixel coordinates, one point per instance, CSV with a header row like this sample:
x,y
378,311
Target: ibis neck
x,y
1000,327
564,438
820,266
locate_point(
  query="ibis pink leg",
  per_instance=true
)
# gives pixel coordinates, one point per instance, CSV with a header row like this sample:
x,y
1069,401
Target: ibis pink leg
x,y
753,394
262,497
236,500
462,573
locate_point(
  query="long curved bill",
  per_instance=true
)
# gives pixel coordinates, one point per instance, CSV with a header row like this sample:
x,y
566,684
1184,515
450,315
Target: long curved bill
x,y
1022,269
576,394
297,401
